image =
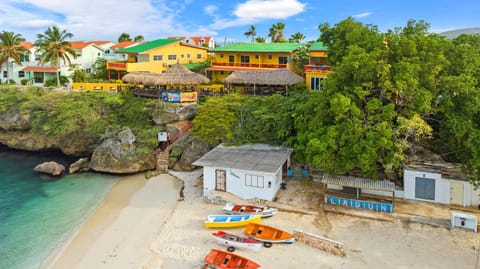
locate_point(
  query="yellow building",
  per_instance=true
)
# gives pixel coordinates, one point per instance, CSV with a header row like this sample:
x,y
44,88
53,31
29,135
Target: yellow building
x,y
318,67
251,57
156,56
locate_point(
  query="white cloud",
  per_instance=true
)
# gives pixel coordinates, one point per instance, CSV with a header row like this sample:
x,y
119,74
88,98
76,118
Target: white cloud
x,y
89,20
210,9
269,9
362,15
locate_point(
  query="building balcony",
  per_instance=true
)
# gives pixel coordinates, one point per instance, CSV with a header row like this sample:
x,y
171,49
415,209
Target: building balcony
x,y
249,65
325,68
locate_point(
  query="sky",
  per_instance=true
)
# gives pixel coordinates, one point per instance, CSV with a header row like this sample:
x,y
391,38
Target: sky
x,y
225,21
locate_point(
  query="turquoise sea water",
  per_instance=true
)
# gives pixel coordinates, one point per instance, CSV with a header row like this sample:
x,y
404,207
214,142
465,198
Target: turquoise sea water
x,y
38,216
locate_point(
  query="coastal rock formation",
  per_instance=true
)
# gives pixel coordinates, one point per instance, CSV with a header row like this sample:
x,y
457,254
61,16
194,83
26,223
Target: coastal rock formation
x,y
171,113
119,155
193,149
51,168
81,165
26,141
15,120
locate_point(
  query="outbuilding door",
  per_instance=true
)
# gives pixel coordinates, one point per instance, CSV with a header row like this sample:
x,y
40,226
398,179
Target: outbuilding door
x,y
220,180
456,193
425,188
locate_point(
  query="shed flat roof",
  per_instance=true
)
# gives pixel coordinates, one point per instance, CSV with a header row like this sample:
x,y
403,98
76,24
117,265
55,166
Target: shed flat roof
x,y
356,182
256,157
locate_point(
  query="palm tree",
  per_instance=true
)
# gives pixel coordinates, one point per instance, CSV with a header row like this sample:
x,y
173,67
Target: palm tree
x,y
279,27
272,33
297,37
11,48
260,39
251,32
53,47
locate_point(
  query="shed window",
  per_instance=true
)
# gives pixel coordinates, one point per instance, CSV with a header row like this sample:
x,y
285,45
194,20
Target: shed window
x,y
172,57
199,56
254,181
231,59
270,57
158,57
21,74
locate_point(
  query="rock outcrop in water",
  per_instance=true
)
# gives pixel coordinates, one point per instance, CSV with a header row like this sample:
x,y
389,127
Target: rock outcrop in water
x,y
119,155
51,168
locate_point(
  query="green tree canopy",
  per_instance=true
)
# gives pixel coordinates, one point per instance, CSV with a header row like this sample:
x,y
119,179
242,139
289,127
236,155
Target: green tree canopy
x,y
124,37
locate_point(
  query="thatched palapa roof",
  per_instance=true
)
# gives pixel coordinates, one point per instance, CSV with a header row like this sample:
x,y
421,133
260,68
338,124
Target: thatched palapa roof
x,y
176,75
282,77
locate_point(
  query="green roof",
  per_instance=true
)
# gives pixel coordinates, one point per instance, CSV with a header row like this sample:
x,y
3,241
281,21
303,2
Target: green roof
x,y
318,46
147,46
258,47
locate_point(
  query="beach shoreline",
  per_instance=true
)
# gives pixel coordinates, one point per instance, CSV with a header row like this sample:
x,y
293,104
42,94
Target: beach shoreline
x,y
106,212
154,228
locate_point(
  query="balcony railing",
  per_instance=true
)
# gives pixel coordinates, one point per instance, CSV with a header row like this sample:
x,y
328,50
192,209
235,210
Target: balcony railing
x,y
317,68
251,65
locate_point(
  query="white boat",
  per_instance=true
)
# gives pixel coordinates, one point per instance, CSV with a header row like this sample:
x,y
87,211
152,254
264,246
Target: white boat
x,y
233,241
265,211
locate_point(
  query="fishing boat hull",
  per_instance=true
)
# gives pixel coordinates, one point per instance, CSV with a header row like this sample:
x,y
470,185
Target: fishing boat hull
x,y
230,221
234,241
268,234
219,259
265,211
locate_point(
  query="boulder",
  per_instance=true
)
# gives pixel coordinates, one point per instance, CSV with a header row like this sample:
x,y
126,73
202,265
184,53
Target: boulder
x,y
193,149
81,165
119,155
51,168
174,112
15,120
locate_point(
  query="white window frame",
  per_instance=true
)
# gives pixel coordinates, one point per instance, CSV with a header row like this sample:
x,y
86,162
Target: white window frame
x,y
254,181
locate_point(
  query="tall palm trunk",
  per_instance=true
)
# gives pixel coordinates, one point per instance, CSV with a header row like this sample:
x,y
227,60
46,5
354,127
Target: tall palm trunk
x,y
58,71
8,71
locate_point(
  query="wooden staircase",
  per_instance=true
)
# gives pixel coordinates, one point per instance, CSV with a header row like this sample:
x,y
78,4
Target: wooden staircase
x,y
163,151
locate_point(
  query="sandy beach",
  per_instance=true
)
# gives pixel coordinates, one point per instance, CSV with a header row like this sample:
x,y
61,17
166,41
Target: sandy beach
x,y
144,224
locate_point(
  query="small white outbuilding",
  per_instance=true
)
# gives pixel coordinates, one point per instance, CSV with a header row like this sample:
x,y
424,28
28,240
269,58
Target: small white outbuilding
x,y
247,171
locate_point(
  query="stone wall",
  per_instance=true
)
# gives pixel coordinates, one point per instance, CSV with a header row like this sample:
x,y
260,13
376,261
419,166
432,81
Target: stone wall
x,y
322,243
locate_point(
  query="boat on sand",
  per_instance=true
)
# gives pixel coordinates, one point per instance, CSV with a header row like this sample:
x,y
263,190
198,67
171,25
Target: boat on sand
x,y
233,241
268,234
230,221
265,211
219,259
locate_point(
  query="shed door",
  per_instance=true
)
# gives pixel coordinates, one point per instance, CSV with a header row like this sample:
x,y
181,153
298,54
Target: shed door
x,y
425,188
456,193
220,180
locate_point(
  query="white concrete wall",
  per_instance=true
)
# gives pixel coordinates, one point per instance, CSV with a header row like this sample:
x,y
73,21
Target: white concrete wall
x,y
442,186
235,183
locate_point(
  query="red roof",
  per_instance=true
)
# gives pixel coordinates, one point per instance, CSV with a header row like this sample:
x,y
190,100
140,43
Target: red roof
x,y
123,44
99,43
28,45
79,44
40,69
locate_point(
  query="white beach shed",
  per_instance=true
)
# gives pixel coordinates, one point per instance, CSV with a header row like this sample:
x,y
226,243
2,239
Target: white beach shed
x,y
248,171
442,183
